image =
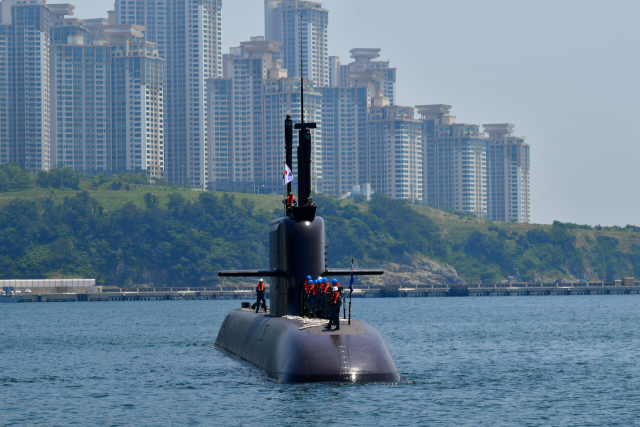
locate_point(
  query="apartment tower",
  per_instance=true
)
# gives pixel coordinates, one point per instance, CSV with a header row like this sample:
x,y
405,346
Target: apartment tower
x,y
247,109
455,170
395,166
508,160
293,22
365,64
188,35
25,119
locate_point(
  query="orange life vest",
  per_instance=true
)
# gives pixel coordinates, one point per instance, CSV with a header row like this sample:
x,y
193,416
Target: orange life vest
x,y
314,290
334,298
261,287
291,200
306,287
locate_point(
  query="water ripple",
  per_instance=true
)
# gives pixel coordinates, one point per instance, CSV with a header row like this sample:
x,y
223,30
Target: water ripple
x,y
464,362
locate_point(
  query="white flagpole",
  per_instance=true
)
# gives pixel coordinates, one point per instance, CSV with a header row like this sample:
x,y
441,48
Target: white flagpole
x,y
284,186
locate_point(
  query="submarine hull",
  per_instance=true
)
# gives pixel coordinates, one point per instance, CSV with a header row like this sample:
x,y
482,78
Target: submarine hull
x,y
284,352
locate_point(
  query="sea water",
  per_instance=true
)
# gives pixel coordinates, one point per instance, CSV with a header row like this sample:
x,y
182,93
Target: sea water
x,y
489,361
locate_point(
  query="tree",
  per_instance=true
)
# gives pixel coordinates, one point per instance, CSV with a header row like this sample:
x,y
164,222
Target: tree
x,y
59,177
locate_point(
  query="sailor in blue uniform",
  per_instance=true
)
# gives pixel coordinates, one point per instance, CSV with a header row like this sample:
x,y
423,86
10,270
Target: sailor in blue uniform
x,y
334,311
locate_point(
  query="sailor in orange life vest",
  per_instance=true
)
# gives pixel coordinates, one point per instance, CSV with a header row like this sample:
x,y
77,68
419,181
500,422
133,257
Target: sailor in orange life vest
x,y
290,201
327,290
334,308
337,284
313,298
305,295
260,296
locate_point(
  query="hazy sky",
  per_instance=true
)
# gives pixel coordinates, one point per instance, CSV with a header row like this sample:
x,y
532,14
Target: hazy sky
x,y
566,73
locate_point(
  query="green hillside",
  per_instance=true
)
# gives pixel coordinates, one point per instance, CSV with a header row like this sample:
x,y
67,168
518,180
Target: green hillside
x,y
124,230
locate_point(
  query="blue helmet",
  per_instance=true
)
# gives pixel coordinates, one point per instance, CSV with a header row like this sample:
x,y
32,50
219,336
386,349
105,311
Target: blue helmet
x,y
334,281
308,277
325,280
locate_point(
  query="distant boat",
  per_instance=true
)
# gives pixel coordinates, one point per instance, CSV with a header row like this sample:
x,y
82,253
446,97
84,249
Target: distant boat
x,y
8,295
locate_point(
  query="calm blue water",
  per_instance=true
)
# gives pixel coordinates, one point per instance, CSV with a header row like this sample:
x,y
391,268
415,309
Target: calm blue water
x,y
528,361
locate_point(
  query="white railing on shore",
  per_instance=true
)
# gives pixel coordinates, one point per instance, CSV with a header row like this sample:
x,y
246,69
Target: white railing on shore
x,y
48,283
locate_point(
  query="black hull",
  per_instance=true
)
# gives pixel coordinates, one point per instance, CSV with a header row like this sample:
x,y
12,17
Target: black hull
x,y
283,352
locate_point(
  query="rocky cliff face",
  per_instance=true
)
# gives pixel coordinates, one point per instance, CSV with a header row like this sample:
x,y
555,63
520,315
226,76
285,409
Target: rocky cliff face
x,y
410,273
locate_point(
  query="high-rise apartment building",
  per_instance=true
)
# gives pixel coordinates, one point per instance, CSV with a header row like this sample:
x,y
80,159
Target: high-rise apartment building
x,y
87,97
247,109
106,96
8,146
241,150
25,119
296,22
282,98
365,66
346,106
395,166
508,160
344,138
188,34
455,166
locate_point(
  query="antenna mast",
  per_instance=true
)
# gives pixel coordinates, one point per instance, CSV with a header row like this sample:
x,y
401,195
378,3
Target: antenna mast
x,y
304,144
301,75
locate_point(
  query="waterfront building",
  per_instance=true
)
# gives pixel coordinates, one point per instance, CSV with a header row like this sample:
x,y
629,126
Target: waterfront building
x,y
395,152
293,22
508,160
247,109
188,35
25,119
455,172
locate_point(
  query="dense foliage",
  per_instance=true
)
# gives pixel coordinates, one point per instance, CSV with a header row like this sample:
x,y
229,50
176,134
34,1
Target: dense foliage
x,y
387,230
187,242
14,177
59,177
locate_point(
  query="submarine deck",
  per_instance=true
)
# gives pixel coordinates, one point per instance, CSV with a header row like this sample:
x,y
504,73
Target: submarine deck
x,y
292,349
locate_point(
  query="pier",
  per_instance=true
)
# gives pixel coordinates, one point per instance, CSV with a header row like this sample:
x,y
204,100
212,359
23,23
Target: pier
x,y
245,292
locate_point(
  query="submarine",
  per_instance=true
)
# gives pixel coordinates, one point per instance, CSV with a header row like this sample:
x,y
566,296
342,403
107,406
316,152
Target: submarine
x,y
282,345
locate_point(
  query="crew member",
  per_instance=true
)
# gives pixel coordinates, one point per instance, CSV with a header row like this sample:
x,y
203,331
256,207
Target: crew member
x,y
313,298
260,296
305,295
335,303
290,201
310,203
324,286
337,284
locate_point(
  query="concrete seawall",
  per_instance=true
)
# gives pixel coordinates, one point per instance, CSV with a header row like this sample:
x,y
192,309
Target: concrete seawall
x,y
428,291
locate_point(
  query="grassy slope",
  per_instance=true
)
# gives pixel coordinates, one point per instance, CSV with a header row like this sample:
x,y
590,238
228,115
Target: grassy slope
x,y
111,199
458,229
